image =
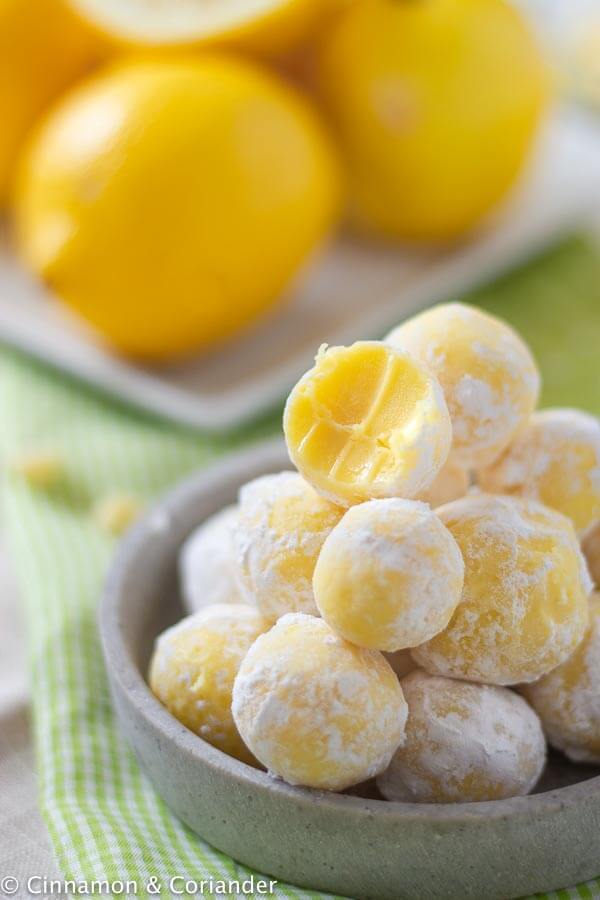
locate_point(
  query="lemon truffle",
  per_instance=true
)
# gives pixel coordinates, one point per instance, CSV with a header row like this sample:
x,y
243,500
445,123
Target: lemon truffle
x,y
555,459
464,743
568,698
280,530
451,483
524,607
488,375
389,576
207,564
591,551
194,666
366,422
316,710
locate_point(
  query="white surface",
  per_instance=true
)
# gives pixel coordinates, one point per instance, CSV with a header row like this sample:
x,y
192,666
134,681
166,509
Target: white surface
x,y
356,291
24,843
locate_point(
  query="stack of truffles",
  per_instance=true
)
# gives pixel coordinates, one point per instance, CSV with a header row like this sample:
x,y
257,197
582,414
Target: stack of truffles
x,y
413,603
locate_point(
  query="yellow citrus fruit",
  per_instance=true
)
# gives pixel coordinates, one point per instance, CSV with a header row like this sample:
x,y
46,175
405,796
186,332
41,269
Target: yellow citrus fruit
x,y
436,103
169,203
264,26
42,49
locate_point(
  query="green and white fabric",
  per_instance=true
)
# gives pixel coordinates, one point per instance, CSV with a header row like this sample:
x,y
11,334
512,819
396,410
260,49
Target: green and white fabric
x,y
105,820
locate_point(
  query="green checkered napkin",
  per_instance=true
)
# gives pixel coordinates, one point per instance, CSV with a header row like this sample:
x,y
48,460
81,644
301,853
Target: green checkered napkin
x,y
105,820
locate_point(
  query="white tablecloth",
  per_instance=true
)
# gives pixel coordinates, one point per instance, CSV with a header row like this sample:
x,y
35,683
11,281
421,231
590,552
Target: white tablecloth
x,y
24,844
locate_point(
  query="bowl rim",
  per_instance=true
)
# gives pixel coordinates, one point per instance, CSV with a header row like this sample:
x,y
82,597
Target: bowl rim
x,y
133,683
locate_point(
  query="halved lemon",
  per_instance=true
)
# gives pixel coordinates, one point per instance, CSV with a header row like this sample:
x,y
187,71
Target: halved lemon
x,y
264,26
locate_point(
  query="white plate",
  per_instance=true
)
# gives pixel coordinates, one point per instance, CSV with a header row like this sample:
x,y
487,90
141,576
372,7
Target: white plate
x,y
356,291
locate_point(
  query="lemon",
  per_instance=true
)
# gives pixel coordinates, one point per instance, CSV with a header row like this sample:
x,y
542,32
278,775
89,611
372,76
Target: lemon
x,y
436,103
42,49
265,26
169,203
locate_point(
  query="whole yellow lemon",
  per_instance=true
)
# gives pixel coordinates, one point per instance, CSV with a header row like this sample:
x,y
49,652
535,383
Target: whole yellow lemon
x,y
42,49
436,103
170,203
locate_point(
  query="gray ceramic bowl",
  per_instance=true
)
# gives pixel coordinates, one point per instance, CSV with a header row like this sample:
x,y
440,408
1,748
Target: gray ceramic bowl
x,y
357,847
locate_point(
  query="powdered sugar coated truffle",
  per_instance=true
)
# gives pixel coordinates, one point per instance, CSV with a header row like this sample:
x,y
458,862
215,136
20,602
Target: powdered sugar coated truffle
x,y
464,742
207,567
555,459
280,530
488,375
367,421
524,607
194,666
568,698
389,575
315,709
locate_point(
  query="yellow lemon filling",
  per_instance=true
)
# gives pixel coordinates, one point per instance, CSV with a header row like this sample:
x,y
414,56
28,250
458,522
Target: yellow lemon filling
x,y
367,421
